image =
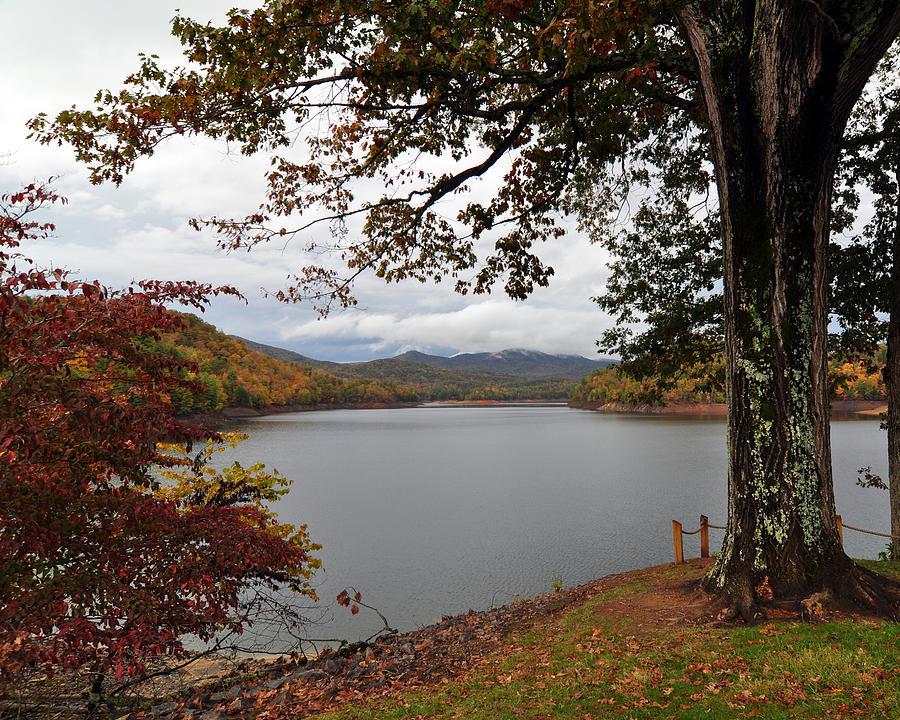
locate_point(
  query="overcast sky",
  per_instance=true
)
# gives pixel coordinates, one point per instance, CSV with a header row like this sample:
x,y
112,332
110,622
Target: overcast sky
x,y
56,53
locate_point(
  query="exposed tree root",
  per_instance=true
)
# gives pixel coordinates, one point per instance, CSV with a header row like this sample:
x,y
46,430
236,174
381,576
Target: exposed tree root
x,y
738,601
741,609
867,592
851,589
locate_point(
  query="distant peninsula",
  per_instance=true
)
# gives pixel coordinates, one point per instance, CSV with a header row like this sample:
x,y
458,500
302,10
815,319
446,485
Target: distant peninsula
x,y
857,389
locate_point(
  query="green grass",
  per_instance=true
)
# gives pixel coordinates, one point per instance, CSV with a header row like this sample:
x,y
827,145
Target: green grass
x,y
891,568
585,666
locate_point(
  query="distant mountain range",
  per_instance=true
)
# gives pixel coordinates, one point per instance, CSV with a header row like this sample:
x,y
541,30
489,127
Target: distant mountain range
x,y
503,365
522,363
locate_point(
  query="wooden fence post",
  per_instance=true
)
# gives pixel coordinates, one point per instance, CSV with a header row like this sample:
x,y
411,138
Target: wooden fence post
x,y
704,536
840,524
676,539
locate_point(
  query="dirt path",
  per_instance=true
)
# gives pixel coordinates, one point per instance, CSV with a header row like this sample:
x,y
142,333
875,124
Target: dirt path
x,y
670,598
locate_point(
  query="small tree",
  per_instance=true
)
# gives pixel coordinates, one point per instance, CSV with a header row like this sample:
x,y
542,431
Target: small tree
x,y
99,567
664,288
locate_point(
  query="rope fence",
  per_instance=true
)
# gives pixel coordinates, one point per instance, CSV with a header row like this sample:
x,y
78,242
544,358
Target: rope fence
x,y
870,532
678,533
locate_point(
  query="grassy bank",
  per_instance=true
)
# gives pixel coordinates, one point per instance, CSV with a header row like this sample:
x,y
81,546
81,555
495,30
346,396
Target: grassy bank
x,y
647,645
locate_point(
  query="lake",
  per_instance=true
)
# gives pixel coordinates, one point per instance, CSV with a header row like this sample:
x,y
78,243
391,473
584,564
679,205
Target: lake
x,y
434,510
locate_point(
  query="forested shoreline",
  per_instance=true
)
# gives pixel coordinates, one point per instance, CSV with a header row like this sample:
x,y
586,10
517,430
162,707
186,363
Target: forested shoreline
x,y
234,380
859,379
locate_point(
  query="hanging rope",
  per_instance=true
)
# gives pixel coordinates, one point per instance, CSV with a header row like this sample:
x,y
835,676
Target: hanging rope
x,y
704,539
871,532
843,524
694,532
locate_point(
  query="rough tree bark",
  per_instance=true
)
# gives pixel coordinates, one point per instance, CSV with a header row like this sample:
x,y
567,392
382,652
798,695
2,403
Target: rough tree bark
x,y
778,88
892,379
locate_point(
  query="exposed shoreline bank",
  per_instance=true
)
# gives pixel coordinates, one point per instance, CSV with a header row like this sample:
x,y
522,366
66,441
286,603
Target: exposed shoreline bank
x,y
538,401
685,409
840,409
226,415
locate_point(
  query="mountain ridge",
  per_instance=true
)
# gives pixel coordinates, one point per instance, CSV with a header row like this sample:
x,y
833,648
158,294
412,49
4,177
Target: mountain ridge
x,y
503,364
514,361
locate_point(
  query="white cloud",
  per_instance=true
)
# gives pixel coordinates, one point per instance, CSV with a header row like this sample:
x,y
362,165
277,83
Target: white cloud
x,y
487,325
110,212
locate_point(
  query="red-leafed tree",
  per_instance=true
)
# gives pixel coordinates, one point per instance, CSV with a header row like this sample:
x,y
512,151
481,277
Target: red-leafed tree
x,y
568,103
98,568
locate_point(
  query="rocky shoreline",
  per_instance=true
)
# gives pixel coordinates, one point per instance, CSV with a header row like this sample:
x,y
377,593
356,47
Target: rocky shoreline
x,y
428,656
292,687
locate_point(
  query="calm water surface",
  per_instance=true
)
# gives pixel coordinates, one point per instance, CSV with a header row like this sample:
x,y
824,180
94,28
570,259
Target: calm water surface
x,y
434,510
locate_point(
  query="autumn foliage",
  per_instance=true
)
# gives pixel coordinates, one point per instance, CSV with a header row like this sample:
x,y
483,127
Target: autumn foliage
x,y
231,375
98,568
697,384
858,378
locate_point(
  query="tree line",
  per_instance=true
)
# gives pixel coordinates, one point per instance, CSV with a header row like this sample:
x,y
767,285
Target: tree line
x,y
860,377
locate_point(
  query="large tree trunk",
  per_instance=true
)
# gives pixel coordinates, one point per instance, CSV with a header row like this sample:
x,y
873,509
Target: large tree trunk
x,y
778,92
892,381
